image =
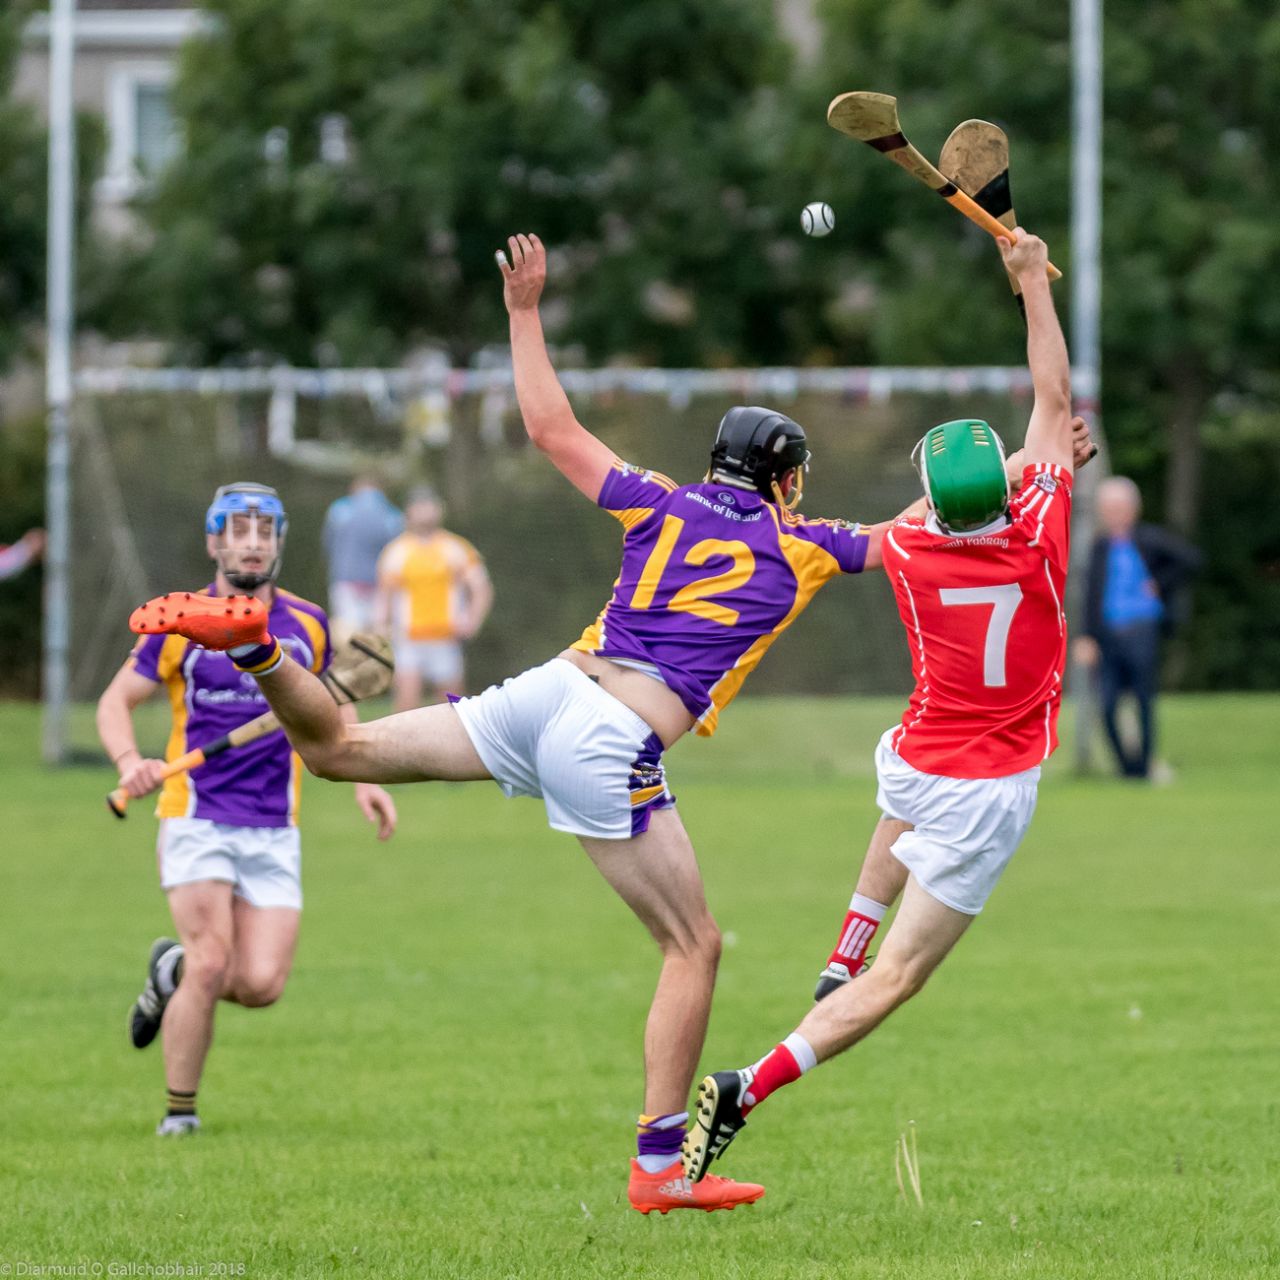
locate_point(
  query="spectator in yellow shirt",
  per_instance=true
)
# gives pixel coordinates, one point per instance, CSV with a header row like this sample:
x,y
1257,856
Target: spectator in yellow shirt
x,y
433,593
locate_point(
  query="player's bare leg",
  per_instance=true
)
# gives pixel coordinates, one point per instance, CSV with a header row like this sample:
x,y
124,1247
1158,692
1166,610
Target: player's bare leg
x,y
265,939
202,915
412,746
415,746
879,883
407,683
656,874
922,934
455,688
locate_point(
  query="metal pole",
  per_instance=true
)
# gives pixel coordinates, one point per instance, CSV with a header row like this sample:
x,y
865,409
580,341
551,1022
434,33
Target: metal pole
x,y
1086,308
60,324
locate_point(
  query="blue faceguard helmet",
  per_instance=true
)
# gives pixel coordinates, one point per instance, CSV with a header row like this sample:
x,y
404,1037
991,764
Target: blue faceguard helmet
x,y
255,500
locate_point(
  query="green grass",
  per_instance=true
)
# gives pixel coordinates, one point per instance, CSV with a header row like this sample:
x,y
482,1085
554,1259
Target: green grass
x,y
449,1085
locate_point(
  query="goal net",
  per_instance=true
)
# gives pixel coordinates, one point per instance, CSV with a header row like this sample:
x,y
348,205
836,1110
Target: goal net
x,y
151,447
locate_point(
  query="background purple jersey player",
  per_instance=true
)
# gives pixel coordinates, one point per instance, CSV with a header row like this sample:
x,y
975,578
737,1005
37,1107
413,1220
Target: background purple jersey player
x,y
256,785
712,573
229,853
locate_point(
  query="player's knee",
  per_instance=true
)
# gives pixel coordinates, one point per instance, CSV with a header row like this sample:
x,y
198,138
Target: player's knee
x,y
259,988
699,943
901,979
205,966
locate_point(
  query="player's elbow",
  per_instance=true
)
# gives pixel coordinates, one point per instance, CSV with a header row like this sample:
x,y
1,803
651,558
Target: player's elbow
x,y
329,758
541,432
323,762
1054,394
548,430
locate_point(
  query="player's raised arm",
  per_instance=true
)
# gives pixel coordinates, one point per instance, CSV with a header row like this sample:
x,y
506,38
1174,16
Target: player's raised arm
x,y
1049,433
548,417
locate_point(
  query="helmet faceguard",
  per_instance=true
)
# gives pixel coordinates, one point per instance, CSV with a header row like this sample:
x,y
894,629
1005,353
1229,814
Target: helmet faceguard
x,y
961,465
755,448
248,517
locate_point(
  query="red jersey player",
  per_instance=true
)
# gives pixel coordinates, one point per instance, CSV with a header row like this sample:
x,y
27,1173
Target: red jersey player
x,y
979,581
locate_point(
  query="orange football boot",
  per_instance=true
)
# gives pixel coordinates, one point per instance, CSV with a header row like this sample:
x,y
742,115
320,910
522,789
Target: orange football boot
x,y
669,1189
214,622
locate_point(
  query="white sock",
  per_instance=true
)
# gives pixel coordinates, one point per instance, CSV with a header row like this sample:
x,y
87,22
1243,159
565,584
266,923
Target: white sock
x,y
802,1051
868,907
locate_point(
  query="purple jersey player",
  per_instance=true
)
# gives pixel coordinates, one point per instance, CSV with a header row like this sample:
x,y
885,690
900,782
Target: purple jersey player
x,y
256,785
229,854
711,574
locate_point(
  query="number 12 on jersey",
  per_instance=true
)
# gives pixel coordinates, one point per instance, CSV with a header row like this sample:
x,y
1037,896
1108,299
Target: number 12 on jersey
x,y
1004,602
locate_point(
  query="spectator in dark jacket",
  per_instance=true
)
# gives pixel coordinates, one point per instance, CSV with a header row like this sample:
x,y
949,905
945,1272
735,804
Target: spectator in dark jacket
x,y
1132,598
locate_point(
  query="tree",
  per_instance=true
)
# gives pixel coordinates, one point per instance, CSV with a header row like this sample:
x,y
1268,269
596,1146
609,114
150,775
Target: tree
x,y
22,209
23,186
1191,243
349,171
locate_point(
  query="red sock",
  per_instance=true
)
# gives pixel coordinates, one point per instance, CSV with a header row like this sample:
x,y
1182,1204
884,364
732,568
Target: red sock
x,y
859,928
788,1062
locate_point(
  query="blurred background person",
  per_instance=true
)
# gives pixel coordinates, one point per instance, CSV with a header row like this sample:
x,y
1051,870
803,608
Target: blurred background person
x,y
434,593
16,557
1133,597
356,528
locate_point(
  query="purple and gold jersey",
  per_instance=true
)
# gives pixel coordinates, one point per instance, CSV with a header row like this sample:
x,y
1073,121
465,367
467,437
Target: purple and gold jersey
x,y
710,577
258,784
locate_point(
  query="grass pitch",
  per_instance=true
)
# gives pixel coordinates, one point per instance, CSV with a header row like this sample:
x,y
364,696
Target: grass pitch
x,y
448,1087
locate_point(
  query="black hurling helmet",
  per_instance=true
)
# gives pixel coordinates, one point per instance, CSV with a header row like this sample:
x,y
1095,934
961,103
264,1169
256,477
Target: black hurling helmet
x,y
755,448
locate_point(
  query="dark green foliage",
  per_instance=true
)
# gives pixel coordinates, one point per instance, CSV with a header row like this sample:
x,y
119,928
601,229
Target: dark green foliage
x,y
22,200
21,508
620,136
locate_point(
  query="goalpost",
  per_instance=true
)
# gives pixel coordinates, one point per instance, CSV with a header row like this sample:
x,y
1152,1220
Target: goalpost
x,y
150,446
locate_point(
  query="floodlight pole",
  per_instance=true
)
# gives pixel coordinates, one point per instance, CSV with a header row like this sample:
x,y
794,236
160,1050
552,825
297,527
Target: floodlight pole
x,y
1086,308
60,323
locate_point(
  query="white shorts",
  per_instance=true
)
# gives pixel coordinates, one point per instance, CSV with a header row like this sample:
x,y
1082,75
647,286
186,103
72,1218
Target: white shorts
x,y
966,829
437,661
262,864
554,733
351,604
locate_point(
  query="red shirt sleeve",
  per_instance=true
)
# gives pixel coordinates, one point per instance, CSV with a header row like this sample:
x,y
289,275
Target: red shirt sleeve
x,y
1041,511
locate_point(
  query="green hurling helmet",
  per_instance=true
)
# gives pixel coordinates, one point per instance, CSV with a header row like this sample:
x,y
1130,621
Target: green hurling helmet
x,y
961,465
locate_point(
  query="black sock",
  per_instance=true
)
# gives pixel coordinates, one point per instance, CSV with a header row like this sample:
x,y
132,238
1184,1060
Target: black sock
x,y
181,1104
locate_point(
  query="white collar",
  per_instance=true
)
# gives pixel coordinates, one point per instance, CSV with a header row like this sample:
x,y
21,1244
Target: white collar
x,y
931,523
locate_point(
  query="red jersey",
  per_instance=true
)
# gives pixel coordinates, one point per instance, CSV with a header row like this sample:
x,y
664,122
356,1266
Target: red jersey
x,y
984,618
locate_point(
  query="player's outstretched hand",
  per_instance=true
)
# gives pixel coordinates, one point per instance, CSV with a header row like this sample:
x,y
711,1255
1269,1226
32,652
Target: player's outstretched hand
x,y
524,273
142,777
378,806
1083,450
1082,447
1028,255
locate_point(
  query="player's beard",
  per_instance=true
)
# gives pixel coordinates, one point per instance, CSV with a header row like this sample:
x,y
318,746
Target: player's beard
x,y
247,581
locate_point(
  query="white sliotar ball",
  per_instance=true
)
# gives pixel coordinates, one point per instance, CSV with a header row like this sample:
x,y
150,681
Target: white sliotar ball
x,y
818,218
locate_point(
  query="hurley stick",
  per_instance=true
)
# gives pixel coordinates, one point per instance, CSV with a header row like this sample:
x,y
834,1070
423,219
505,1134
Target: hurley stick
x,y
976,158
873,118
